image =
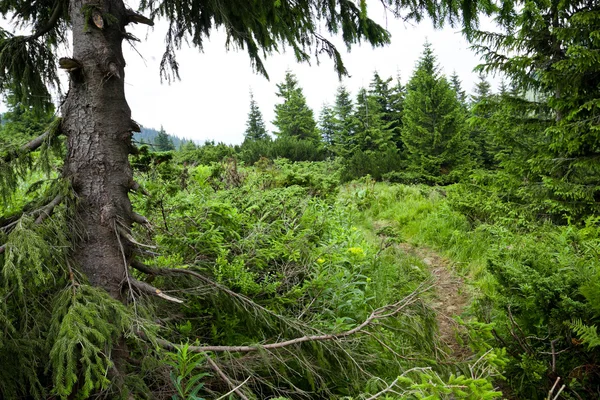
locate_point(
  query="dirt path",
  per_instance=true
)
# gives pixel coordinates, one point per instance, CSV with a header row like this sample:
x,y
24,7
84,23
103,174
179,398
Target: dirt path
x,y
450,298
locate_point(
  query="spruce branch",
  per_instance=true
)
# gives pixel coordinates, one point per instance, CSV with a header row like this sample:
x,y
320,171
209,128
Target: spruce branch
x,y
52,21
46,211
41,213
32,145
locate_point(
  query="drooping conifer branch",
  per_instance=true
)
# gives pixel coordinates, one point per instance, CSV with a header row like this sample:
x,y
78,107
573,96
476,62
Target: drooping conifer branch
x,y
33,144
41,213
52,21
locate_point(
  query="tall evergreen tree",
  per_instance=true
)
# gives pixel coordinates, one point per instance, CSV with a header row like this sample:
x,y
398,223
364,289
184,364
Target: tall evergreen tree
x,y
163,141
456,85
372,133
293,117
397,95
555,76
344,112
434,126
328,125
481,137
255,126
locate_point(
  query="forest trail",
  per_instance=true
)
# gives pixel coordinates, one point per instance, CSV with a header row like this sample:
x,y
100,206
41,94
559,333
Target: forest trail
x,y
450,298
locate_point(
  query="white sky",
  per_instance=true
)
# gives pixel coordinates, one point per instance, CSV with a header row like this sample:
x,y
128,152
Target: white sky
x,y
211,101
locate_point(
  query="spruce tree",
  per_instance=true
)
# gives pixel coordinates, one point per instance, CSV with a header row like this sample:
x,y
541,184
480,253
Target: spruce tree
x,y
163,141
344,111
397,95
293,117
481,137
328,125
255,126
555,82
456,85
372,133
434,125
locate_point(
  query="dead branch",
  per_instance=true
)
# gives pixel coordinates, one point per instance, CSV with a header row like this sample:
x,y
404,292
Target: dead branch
x,y
136,187
149,289
140,219
133,17
231,385
378,314
234,390
123,232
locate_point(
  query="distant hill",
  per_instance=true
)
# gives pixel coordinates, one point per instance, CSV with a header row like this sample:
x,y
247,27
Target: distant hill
x,y
148,135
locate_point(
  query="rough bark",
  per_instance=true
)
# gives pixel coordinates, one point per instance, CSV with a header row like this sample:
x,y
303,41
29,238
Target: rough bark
x,y
97,122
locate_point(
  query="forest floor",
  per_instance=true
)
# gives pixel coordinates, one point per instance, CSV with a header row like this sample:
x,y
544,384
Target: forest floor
x,y
450,298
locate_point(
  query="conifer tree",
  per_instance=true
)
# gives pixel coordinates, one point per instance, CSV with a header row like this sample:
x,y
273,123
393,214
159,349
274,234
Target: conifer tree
x,y
434,126
372,133
328,125
344,111
555,82
480,135
397,95
163,141
255,126
456,85
293,117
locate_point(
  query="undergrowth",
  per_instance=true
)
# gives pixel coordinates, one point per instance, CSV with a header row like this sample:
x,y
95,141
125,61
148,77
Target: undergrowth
x,y
534,284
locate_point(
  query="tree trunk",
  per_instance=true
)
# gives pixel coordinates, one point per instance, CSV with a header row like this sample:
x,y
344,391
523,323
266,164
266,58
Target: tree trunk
x,y
97,122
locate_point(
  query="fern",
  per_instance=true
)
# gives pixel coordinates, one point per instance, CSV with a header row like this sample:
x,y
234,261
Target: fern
x,y
587,333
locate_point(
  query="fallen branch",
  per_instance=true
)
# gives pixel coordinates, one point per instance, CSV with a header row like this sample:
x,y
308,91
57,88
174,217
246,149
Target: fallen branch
x,y
149,289
380,313
231,385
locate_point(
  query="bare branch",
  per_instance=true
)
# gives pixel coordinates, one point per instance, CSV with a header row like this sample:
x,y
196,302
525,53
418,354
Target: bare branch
x,y
133,17
380,313
149,289
220,372
123,232
140,219
136,187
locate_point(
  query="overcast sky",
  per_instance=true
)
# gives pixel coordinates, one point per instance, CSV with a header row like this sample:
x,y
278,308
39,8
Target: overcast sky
x,y
211,101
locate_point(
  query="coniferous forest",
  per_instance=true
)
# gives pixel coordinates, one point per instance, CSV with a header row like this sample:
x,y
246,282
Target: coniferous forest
x,y
415,239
